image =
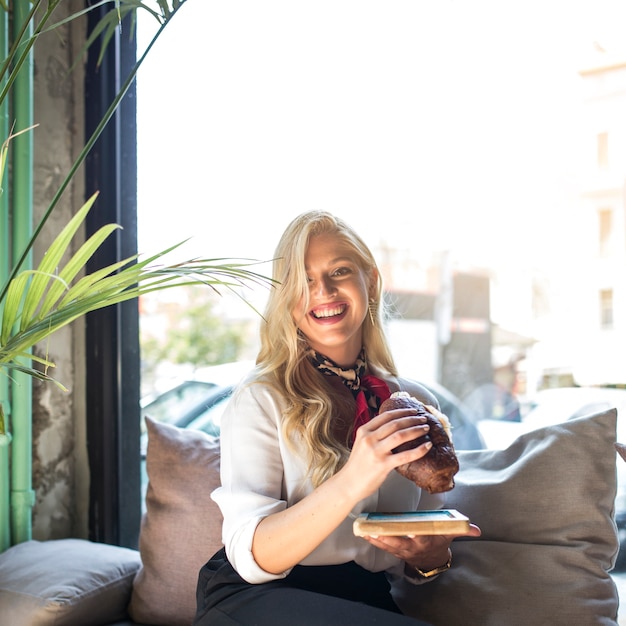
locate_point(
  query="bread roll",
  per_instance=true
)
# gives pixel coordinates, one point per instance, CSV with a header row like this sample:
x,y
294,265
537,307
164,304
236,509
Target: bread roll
x,y
435,471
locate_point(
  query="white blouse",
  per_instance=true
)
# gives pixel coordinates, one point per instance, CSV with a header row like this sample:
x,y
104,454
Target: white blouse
x,y
261,475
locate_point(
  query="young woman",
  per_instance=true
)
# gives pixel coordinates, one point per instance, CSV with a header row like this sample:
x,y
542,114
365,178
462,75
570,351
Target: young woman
x,y
304,450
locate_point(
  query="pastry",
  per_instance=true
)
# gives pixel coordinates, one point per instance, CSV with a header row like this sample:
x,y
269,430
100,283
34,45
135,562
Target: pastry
x,y
435,471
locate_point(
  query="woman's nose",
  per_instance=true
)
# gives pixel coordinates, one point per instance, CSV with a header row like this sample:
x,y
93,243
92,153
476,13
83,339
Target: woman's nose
x,y
324,286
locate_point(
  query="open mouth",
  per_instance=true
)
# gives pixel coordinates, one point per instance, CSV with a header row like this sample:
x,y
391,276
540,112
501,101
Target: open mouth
x,y
329,312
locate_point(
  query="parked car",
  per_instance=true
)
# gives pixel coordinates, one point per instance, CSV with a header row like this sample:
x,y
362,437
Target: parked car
x,y
195,400
554,406
199,404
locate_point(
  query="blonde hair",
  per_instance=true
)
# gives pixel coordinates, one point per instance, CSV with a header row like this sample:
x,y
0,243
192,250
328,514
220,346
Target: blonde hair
x,y
282,360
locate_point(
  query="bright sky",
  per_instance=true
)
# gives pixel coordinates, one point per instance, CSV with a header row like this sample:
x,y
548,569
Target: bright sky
x,y
441,124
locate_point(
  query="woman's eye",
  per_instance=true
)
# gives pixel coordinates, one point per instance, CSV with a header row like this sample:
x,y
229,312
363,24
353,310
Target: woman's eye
x,y
342,271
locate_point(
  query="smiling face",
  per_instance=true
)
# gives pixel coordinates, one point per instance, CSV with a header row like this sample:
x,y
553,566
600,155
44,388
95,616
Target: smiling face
x,y
338,294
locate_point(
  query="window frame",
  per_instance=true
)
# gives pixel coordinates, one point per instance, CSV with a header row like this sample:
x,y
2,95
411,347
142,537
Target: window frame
x,y
112,356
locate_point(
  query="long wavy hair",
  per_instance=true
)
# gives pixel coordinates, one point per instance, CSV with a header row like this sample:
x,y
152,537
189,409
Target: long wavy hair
x,y
282,360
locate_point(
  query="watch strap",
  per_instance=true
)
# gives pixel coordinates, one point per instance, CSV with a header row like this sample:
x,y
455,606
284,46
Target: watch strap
x,y
435,571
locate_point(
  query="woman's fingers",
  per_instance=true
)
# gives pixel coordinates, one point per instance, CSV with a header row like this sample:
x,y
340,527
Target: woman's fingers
x,y
419,548
388,417
393,428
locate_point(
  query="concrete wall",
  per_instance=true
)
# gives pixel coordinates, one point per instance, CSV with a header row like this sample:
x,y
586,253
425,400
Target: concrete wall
x,y
60,470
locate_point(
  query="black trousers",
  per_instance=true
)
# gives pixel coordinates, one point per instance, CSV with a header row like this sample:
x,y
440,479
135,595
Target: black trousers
x,y
309,596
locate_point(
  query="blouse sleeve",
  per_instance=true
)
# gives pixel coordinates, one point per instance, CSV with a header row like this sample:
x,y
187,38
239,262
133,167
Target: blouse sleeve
x,y
251,474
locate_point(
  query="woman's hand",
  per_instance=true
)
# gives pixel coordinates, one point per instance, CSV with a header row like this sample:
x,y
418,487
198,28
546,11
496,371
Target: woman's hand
x,y
425,552
372,456
284,538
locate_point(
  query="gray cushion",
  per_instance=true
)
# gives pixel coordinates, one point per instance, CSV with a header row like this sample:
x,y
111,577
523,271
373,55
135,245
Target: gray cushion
x,y
65,582
545,506
182,527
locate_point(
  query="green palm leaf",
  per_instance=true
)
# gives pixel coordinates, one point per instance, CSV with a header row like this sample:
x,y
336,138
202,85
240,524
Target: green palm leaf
x,y
58,287
50,262
45,300
12,302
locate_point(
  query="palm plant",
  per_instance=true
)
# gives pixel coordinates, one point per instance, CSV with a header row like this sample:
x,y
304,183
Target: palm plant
x,y
34,303
38,302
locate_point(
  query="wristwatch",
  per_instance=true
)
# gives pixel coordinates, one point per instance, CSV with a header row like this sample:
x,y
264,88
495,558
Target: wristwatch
x,y
437,570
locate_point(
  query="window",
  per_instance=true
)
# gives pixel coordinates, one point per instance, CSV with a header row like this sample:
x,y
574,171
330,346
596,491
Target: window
x,y
606,308
335,126
605,227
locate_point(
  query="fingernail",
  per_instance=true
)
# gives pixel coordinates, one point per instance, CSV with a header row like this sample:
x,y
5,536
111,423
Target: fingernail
x,y
428,445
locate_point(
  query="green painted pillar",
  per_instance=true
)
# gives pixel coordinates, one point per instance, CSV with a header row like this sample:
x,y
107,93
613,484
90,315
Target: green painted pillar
x,y
22,494
5,410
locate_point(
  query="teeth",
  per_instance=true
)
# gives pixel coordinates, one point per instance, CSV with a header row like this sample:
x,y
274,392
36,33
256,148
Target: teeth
x,y
329,312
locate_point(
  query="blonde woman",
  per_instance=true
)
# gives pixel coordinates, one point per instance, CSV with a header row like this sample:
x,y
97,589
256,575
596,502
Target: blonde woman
x,y
305,450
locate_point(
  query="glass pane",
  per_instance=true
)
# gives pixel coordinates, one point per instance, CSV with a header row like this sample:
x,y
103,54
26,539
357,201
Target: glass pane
x,y
479,149
172,405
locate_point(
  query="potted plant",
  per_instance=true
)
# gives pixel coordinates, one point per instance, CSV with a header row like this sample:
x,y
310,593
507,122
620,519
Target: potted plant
x,y
35,303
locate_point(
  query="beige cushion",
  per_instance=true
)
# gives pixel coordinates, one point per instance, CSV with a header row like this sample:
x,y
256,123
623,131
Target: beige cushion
x,y
545,506
181,529
65,582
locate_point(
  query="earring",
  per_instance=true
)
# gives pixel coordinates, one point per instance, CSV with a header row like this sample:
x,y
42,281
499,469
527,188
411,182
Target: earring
x,y
370,311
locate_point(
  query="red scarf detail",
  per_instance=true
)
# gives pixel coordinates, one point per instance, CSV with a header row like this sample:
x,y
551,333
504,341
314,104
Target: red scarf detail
x,y
378,391
369,392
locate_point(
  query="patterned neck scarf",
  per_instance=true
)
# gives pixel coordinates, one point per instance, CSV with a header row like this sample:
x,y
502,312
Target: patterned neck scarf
x,y
369,392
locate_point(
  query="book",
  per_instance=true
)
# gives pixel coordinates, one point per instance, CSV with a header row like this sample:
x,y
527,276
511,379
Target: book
x,y
436,522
